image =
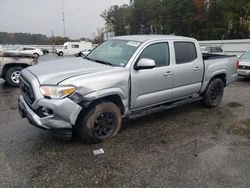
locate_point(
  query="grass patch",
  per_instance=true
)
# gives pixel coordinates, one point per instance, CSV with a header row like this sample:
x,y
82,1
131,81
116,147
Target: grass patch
x,y
246,131
234,104
243,130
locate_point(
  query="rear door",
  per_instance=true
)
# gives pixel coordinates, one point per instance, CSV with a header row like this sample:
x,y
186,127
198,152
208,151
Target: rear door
x,y
188,69
152,86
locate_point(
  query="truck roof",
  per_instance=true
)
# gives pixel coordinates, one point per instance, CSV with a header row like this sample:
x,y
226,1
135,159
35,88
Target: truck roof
x,y
143,38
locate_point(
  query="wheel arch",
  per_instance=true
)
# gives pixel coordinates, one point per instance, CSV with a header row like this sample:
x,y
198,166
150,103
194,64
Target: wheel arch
x,y
218,74
114,98
88,105
6,67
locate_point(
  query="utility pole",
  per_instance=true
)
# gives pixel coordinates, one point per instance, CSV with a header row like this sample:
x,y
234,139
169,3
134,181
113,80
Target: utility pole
x,y
53,42
63,19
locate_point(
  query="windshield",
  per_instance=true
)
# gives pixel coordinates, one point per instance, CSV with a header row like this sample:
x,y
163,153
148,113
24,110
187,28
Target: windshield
x,y
114,52
245,56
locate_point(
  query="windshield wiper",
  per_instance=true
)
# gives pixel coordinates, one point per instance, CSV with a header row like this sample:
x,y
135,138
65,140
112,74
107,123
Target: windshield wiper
x,y
100,61
104,62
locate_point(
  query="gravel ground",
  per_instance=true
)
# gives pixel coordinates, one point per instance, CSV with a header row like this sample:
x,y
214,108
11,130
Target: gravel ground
x,y
189,146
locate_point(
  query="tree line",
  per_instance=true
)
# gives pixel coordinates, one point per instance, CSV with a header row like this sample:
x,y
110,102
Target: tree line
x,y
30,39
36,39
201,19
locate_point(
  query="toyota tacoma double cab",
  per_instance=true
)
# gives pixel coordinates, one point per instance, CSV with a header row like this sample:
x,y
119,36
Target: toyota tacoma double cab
x,y
124,77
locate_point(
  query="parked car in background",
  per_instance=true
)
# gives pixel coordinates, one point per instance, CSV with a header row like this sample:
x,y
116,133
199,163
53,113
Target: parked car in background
x,y
244,65
45,51
83,53
72,48
29,51
124,77
11,65
212,49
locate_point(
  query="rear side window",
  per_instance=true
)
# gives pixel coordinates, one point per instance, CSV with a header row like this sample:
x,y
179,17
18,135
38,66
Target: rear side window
x,y
158,52
185,52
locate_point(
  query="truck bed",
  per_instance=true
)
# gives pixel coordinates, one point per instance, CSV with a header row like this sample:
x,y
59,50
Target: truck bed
x,y
215,64
207,56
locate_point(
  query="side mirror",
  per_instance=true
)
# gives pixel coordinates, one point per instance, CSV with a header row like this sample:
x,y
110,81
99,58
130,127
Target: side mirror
x,y
145,63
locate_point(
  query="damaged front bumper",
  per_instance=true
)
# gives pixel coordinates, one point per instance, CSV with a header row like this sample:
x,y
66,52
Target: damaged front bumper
x,y
52,114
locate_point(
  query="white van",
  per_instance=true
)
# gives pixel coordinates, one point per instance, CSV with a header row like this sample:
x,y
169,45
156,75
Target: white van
x,y
71,48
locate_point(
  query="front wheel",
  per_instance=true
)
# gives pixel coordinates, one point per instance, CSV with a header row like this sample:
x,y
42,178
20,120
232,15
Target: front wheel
x,y
12,76
60,54
214,93
100,124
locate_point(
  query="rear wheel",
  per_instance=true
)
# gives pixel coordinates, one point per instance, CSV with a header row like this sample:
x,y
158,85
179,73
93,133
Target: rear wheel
x,y
12,76
214,93
100,124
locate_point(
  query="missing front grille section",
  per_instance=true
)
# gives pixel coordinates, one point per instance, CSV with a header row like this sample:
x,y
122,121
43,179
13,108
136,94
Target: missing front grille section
x,y
26,90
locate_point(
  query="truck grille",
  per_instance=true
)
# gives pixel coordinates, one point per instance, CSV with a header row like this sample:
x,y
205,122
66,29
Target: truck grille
x,y
244,67
26,90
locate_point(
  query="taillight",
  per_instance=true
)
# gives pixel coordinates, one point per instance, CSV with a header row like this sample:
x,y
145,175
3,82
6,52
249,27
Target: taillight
x,y
237,64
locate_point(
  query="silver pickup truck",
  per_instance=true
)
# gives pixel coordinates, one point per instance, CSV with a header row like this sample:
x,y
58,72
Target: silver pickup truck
x,y
124,77
11,65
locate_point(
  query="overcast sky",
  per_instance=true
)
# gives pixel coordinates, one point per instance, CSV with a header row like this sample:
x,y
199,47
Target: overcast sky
x,y
82,17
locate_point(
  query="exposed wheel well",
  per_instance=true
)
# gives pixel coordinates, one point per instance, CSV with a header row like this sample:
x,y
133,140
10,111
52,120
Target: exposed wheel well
x,y
116,99
8,66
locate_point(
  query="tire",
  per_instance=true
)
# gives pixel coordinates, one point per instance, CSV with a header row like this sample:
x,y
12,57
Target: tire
x,y
60,54
12,76
101,123
213,94
36,55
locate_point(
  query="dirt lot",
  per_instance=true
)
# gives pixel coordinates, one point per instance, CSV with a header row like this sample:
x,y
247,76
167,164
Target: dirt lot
x,y
190,146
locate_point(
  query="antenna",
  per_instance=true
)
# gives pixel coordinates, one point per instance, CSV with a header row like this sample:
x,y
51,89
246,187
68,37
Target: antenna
x,y
63,19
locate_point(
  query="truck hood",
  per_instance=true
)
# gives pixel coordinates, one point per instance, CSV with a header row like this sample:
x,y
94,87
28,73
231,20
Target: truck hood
x,y
245,62
53,72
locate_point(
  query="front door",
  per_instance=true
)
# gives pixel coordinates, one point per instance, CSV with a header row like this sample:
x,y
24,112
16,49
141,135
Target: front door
x,y
152,86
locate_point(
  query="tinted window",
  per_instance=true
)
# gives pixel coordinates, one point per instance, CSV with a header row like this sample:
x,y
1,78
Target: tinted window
x,y
28,48
74,46
185,52
158,52
216,49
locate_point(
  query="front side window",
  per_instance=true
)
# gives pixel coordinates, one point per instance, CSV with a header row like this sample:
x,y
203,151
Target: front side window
x,y
75,46
207,49
158,52
114,52
245,56
185,52
216,49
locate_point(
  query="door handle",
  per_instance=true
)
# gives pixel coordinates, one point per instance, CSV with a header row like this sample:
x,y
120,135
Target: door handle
x,y
168,73
197,69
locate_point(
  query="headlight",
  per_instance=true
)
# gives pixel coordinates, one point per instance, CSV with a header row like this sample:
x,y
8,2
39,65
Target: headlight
x,y
57,92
